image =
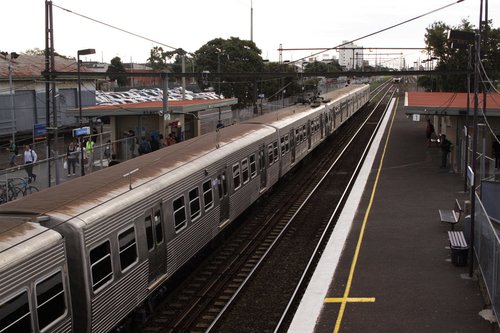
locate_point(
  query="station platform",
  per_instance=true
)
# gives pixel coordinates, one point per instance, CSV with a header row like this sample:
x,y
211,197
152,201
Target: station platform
x,y
387,267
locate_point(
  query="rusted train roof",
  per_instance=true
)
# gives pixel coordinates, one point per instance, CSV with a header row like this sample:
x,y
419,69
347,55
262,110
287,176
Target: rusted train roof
x,y
102,183
99,183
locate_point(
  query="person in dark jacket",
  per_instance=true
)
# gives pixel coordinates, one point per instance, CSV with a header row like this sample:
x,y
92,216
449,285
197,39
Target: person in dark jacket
x,y
445,150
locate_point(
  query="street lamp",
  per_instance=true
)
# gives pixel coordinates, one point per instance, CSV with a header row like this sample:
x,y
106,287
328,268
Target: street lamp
x,y
219,67
302,80
13,55
79,53
471,39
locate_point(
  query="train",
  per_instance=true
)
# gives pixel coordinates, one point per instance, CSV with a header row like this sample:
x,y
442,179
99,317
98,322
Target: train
x,y
82,256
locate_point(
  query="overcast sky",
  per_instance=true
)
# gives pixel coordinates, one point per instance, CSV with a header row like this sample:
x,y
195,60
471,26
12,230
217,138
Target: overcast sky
x,y
189,24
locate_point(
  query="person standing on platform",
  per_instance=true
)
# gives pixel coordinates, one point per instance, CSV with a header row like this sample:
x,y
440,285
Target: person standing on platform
x,y
445,150
30,158
429,132
12,149
72,158
89,149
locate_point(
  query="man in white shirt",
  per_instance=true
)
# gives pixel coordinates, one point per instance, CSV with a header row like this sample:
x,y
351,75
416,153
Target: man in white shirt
x,y
30,158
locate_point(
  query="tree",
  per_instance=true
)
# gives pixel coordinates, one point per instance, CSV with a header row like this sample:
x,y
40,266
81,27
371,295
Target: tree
x,y
275,88
231,55
157,59
115,69
38,52
453,59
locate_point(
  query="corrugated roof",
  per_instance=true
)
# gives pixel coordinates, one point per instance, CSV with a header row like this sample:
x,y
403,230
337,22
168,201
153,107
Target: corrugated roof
x,y
447,102
30,66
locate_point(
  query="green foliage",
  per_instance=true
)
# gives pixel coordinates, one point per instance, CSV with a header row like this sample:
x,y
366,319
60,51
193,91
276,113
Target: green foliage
x,y
230,55
318,66
273,88
158,59
116,67
38,52
457,59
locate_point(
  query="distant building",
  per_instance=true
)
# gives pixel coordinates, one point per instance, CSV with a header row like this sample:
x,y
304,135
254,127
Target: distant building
x,y
28,90
350,56
142,81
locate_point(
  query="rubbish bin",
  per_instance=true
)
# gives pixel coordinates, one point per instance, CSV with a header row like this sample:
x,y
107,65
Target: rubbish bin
x,y
459,255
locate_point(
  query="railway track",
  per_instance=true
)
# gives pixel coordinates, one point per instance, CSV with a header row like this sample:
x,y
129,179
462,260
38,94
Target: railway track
x,y
252,280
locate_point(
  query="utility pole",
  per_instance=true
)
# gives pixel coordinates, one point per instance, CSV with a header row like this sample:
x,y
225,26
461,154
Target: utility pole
x,y
49,55
12,104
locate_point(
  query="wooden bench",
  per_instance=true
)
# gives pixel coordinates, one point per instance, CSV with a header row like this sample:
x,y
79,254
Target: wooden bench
x,y
459,248
451,216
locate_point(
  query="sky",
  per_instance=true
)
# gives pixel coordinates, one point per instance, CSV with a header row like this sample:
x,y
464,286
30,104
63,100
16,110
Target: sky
x,y
189,24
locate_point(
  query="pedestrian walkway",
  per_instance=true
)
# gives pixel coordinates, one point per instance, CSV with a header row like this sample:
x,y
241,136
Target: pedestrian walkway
x,y
388,265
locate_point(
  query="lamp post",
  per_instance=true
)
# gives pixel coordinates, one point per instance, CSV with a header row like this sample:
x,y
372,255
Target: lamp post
x,y
79,53
219,67
302,81
12,111
13,55
469,39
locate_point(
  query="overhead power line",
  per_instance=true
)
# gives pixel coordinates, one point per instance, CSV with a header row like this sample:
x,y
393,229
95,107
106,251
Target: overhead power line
x,y
114,27
381,30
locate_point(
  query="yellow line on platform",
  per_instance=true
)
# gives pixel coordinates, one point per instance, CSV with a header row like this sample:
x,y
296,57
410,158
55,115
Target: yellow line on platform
x,y
362,231
350,300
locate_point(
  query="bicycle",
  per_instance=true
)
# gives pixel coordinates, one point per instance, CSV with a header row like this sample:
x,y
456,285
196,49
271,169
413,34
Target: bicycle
x,y
24,187
8,191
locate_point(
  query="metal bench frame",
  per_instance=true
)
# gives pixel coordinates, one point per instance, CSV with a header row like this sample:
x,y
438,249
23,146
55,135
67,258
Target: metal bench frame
x,y
451,216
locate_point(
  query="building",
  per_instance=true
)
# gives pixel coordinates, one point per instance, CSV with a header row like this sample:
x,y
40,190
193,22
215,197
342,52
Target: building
x,y
23,93
448,113
350,56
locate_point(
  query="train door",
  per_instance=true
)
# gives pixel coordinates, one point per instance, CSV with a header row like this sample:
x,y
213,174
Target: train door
x,y
262,168
223,195
155,236
309,138
292,145
322,125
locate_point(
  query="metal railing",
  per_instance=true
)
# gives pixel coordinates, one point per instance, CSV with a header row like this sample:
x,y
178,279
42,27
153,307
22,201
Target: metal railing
x,y
487,251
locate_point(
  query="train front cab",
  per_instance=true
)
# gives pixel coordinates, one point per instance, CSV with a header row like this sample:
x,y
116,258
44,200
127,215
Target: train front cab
x,y
34,286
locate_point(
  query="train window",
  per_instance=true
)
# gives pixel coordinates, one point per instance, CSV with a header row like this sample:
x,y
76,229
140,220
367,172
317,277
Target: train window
x,y
270,154
297,135
100,265
287,144
194,203
276,151
127,248
208,195
149,232
236,176
304,133
253,167
244,171
179,213
15,315
50,300
158,227
282,145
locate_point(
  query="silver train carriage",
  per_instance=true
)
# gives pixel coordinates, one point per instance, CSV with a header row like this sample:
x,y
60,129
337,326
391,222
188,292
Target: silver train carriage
x,y
120,232
34,285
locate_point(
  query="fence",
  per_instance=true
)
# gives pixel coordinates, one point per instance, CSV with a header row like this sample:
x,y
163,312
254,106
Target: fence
x,y
487,251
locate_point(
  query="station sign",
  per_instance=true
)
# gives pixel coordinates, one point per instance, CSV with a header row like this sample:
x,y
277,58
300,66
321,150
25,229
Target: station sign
x,y
39,132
